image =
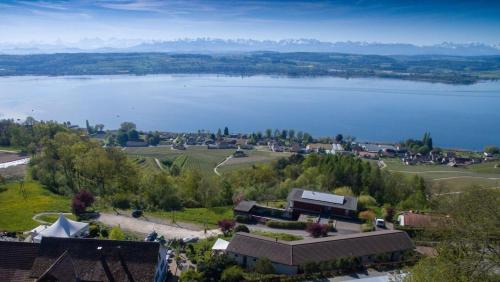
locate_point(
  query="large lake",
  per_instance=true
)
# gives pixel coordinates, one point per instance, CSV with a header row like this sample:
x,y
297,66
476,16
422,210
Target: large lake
x,y
370,109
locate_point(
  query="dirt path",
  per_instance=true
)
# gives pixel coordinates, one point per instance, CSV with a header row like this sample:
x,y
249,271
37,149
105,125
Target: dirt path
x,y
159,164
144,226
221,164
36,216
455,177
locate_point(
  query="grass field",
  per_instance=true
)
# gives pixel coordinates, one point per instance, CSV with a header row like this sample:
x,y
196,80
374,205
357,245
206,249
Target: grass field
x,y
199,216
445,179
18,208
199,157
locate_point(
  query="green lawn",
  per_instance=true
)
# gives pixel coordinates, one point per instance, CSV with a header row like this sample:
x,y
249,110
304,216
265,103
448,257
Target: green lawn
x,y
9,149
280,236
444,179
17,208
200,216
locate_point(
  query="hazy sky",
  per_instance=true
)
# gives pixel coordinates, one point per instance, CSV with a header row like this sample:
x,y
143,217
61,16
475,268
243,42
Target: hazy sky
x,y
418,22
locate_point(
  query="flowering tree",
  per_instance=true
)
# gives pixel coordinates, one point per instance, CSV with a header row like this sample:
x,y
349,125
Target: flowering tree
x,y
317,230
226,225
81,201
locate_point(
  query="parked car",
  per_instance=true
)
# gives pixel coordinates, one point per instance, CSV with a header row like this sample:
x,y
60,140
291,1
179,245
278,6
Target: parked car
x,y
380,222
190,239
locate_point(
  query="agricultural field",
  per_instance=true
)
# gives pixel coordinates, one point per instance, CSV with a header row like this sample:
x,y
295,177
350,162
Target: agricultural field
x,y
199,157
18,206
445,179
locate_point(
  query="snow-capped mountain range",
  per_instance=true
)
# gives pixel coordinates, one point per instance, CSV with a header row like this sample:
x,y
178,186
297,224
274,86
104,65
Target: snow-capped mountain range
x,y
209,45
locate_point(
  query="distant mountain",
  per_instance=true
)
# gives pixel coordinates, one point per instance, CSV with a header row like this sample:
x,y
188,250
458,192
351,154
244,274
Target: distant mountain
x,y
208,45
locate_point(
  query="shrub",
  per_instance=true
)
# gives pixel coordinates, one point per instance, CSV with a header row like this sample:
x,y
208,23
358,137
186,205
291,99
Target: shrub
x,y
264,266
367,216
94,230
77,206
367,227
242,228
226,226
317,230
310,267
232,274
286,224
116,234
344,191
191,276
242,219
366,201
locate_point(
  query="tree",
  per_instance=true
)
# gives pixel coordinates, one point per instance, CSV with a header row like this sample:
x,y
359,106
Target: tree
x,y
226,131
469,249
494,150
116,233
127,126
284,134
366,201
226,226
269,133
133,135
219,134
232,274
90,130
291,134
122,138
191,275
317,230
81,201
339,138
264,266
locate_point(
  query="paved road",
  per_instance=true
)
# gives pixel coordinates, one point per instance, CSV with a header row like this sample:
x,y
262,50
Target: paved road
x,y
144,226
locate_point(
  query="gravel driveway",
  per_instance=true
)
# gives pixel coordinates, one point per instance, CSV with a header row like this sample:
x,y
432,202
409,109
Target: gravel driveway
x,y
144,227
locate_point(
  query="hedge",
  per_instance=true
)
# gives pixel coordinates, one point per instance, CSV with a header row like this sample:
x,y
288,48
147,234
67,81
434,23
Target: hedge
x,y
286,224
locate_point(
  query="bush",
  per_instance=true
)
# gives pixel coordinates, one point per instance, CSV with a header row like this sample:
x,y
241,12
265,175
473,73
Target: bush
x,y
286,224
344,191
191,276
264,266
367,216
226,226
116,234
94,231
366,201
242,228
367,227
310,267
317,230
243,219
232,274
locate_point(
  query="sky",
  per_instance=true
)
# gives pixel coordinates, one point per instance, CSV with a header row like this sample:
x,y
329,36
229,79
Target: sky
x,y
421,22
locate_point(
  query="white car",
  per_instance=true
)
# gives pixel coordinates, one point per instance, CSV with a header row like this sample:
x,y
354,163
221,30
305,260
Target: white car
x,y
190,239
380,222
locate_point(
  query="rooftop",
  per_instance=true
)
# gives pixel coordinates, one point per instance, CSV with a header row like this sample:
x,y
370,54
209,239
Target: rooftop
x,y
322,198
16,260
322,249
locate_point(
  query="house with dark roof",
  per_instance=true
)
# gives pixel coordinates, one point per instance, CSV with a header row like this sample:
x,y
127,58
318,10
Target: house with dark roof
x,y
288,256
16,260
320,203
74,259
244,208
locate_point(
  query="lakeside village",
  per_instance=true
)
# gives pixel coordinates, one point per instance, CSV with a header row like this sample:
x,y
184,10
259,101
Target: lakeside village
x,y
312,234
410,152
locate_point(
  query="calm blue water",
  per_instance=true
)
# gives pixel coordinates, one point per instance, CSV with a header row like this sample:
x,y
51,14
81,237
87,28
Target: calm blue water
x,y
370,109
